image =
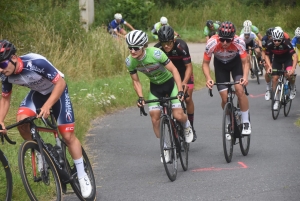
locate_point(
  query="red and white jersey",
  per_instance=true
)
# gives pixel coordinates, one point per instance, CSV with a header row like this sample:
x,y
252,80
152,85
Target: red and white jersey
x,y
214,46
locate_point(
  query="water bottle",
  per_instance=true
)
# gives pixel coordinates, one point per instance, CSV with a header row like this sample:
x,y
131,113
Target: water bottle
x,y
286,88
59,155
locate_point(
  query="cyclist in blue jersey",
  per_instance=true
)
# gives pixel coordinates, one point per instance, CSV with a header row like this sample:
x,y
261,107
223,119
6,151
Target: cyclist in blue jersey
x,y
115,28
296,42
48,89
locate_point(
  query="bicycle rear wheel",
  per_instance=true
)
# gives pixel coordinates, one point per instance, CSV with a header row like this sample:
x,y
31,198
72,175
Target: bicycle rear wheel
x,y
71,168
168,148
5,187
287,102
228,131
37,185
276,100
245,141
183,148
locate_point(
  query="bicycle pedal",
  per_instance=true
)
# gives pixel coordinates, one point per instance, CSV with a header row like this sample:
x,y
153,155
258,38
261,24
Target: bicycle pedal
x,y
37,179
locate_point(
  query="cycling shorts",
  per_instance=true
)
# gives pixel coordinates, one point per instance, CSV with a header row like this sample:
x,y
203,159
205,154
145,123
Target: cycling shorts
x,y
278,65
168,88
62,109
222,71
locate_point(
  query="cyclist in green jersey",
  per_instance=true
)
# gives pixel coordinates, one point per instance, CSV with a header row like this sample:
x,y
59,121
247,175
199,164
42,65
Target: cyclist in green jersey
x,y
254,29
162,74
163,21
210,29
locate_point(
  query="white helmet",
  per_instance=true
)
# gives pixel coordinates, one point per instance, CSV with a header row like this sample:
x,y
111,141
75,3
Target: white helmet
x,y
297,32
247,23
163,20
118,16
278,28
277,34
247,30
136,38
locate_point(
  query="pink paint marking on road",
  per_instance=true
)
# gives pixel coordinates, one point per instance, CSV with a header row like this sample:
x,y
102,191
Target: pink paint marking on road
x,y
241,166
256,96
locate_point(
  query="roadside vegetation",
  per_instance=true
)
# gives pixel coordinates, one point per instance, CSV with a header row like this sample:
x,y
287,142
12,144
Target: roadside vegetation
x,y
93,62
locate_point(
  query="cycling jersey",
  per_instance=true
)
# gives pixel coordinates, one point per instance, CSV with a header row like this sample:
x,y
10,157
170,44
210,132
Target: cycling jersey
x,y
264,43
236,48
251,38
152,65
115,26
296,43
180,56
208,32
282,52
253,29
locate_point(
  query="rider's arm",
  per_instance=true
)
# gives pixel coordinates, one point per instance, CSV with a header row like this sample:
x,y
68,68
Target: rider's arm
x,y
118,33
245,64
259,37
206,69
170,66
137,84
188,73
267,59
258,41
129,26
295,61
175,33
4,105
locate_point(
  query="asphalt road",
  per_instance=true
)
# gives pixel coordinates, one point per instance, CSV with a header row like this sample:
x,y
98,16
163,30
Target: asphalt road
x,y
127,165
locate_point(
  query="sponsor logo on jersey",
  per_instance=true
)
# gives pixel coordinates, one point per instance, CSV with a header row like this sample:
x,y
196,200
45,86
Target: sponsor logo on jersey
x,y
34,68
157,54
127,61
68,109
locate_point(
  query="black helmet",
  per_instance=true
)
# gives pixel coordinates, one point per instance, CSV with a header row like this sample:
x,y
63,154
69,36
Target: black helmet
x,y
269,31
165,33
6,50
227,30
209,23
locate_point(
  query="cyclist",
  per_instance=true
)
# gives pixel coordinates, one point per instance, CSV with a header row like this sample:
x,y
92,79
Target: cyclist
x,y
210,29
48,89
254,29
162,75
178,52
284,54
163,21
296,42
251,40
114,27
230,56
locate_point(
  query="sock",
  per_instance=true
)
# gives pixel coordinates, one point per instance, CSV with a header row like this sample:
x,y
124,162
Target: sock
x,y
191,119
268,86
186,124
245,117
79,167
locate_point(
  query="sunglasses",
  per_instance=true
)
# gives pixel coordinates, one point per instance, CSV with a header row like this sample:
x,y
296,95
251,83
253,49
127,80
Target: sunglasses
x,y
228,40
279,41
135,48
4,64
168,43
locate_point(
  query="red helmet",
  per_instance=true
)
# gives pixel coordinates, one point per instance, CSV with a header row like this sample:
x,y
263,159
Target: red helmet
x,y
6,50
227,30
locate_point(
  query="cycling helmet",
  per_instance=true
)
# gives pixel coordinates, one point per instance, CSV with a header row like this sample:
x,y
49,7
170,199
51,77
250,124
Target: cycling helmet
x,y
118,16
163,20
136,38
6,50
269,31
247,23
247,30
277,34
227,30
165,33
297,32
278,28
209,23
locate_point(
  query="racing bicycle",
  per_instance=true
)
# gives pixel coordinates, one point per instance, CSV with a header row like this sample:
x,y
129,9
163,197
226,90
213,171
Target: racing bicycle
x,y
232,124
256,68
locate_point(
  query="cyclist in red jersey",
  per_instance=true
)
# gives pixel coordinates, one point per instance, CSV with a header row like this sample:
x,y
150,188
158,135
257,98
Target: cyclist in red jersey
x,y
229,56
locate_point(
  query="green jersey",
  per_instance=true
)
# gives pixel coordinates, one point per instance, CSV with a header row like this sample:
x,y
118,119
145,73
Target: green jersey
x,y
152,65
207,31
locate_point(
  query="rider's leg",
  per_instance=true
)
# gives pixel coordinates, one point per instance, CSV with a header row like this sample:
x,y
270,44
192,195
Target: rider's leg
x,y
155,118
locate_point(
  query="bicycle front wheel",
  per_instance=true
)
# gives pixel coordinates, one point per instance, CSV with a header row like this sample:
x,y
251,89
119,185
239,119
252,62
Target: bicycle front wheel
x,y
71,168
255,68
38,185
183,148
276,101
5,187
287,103
245,142
228,131
168,148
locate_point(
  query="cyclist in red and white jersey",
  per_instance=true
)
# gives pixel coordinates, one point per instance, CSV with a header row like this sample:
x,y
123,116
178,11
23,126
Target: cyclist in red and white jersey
x,y
230,56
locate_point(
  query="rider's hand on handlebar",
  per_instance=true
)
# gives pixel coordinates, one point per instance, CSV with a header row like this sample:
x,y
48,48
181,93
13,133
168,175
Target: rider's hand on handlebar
x,y
44,112
140,102
180,95
269,70
209,84
244,81
2,128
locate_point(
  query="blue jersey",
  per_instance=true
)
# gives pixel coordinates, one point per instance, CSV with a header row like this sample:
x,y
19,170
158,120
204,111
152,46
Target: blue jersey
x,y
296,42
115,26
264,41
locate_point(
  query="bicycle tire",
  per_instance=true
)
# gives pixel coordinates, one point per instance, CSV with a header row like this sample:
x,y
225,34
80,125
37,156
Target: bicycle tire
x,y
277,93
255,66
183,148
6,188
287,102
167,143
245,141
71,168
228,128
37,190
